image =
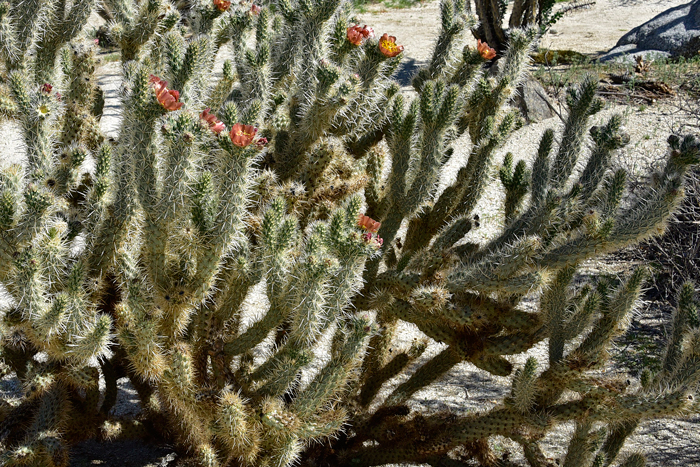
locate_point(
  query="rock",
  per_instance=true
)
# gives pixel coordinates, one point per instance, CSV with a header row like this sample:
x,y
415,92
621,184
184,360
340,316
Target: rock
x,y
676,31
532,101
625,54
530,97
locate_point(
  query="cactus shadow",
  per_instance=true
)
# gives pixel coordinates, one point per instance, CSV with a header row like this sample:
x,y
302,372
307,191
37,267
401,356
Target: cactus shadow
x,y
408,68
122,453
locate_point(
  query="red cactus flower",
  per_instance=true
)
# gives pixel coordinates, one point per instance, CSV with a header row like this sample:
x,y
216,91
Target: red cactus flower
x,y
261,143
375,239
222,5
367,32
242,135
485,51
357,34
388,46
214,124
255,9
46,88
169,99
368,223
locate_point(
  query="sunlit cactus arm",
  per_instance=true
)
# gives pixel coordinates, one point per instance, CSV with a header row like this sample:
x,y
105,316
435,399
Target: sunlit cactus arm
x,y
524,387
515,181
540,212
555,307
232,27
180,134
317,305
223,87
28,288
65,24
96,204
253,66
80,121
88,334
687,372
685,314
9,46
22,20
331,96
582,103
239,271
644,218
141,343
307,299
203,15
233,175
608,325
331,381
455,21
278,234
236,427
401,141
136,24
477,174
191,73
467,189
438,109
37,110
111,232
375,191
178,389
582,445
606,139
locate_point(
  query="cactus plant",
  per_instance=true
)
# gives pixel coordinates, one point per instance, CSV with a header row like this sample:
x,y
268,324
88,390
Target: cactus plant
x,y
270,178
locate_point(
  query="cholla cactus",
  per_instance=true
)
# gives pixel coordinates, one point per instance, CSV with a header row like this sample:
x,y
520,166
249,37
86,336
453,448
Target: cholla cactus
x,y
270,179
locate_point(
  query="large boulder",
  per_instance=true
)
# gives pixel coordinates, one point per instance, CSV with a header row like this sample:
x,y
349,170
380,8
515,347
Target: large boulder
x,y
674,32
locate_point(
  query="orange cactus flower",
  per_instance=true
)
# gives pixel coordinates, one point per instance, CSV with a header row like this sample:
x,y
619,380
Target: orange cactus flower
x,y
169,99
214,124
357,34
368,223
388,46
222,5
255,9
485,51
242,135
